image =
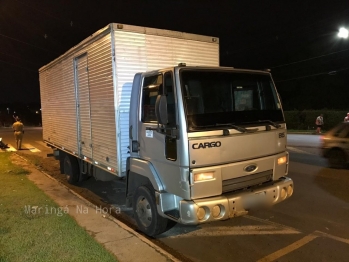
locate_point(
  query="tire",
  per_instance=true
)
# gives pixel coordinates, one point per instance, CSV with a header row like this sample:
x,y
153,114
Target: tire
x,y
146,214
71,169
337,158
62,155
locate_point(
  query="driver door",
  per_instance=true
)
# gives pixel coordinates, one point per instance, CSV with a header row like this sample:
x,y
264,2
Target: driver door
x,y
157,147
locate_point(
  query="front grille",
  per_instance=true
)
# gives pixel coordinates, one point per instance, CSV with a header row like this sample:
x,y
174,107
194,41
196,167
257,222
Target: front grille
x,y
247,181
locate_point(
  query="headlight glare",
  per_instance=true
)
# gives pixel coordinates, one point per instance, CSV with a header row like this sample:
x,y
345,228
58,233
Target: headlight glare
x,y
282,160
203,176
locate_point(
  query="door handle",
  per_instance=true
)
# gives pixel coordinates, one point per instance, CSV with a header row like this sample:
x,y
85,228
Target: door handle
x,y
130,132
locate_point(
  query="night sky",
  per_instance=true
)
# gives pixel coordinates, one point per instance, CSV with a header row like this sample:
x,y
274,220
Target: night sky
x,y
296,39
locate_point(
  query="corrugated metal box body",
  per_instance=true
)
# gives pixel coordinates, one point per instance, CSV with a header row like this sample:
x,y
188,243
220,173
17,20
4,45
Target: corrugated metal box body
x,y
58,105
112,56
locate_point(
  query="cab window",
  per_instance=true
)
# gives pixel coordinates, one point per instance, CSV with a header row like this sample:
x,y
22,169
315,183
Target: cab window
x,y
151,85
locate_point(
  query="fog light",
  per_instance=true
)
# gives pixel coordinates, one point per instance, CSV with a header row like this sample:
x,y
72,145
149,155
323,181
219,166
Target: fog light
x,y
283,193
289,190
201,213
216,211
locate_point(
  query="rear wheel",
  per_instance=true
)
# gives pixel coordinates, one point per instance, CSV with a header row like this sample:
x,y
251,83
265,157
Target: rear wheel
x,y
61,156
71,169
337,158
146,214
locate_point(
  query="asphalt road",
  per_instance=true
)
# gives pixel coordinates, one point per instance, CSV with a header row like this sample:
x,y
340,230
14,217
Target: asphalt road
x,y
310,226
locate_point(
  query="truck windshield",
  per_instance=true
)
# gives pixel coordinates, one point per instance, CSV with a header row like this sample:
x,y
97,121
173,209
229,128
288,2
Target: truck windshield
x,y
214,98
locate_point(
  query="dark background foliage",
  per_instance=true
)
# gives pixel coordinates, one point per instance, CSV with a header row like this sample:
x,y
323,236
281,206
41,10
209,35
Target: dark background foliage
x,y
305,119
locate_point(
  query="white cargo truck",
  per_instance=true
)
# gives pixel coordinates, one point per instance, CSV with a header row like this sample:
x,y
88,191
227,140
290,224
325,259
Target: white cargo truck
x,y
196,142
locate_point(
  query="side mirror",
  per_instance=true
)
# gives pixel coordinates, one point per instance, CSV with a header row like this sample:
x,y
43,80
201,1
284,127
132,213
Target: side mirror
x,y
161,109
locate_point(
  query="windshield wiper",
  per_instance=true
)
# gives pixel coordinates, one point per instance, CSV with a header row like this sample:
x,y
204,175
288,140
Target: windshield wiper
x,y
271,122
238,128
192,126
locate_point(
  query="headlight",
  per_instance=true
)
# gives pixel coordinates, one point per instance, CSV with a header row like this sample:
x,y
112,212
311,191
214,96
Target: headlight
x,y
203,176
282,160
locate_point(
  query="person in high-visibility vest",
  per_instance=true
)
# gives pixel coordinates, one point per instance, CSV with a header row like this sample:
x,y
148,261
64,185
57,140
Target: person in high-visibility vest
x,y
18,132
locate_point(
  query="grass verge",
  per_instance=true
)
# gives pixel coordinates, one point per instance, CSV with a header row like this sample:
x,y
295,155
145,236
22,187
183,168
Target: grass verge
x,y
30,234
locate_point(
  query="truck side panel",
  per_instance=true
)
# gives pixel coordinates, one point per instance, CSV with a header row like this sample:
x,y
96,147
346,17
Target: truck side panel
x,y
60,91
103,107
86,112
138,52
58,105
83,108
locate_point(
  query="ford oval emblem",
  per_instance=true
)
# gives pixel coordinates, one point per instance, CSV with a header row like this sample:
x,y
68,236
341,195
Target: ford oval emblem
x,y
250,168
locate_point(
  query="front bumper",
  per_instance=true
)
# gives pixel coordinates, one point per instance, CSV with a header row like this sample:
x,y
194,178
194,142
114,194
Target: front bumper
x,y
234,204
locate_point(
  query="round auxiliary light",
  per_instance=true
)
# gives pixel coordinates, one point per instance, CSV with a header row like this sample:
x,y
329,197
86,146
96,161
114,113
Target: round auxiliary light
x,y
290,190
283,193
216,211
201,213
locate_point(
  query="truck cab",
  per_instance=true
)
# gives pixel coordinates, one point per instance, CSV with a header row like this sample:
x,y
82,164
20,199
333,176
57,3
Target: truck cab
x,y
206,144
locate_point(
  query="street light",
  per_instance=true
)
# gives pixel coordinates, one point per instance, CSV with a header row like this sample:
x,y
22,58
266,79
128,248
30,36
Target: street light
x,y
343,32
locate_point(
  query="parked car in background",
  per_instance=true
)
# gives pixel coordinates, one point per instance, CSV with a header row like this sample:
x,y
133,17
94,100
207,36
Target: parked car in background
x,y
335,145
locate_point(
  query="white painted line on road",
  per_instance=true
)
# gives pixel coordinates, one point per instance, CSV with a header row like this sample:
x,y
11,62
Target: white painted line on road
x,y
11,148
27,146
288,249
322,234
298,150
31,148
24,146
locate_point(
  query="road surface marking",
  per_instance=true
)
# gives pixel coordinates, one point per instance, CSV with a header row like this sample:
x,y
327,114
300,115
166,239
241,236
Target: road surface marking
x,y
303,241
24,147
30,148
288,249
322,234
10,148
298,150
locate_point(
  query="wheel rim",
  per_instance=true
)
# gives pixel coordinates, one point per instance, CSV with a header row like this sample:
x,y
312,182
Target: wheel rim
x,y
144,211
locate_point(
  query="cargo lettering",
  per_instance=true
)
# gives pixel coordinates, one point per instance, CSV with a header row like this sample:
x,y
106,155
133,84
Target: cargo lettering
x,y
206,145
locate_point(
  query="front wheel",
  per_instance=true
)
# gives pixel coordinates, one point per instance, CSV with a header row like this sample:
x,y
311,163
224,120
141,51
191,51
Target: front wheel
x,y
146,214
